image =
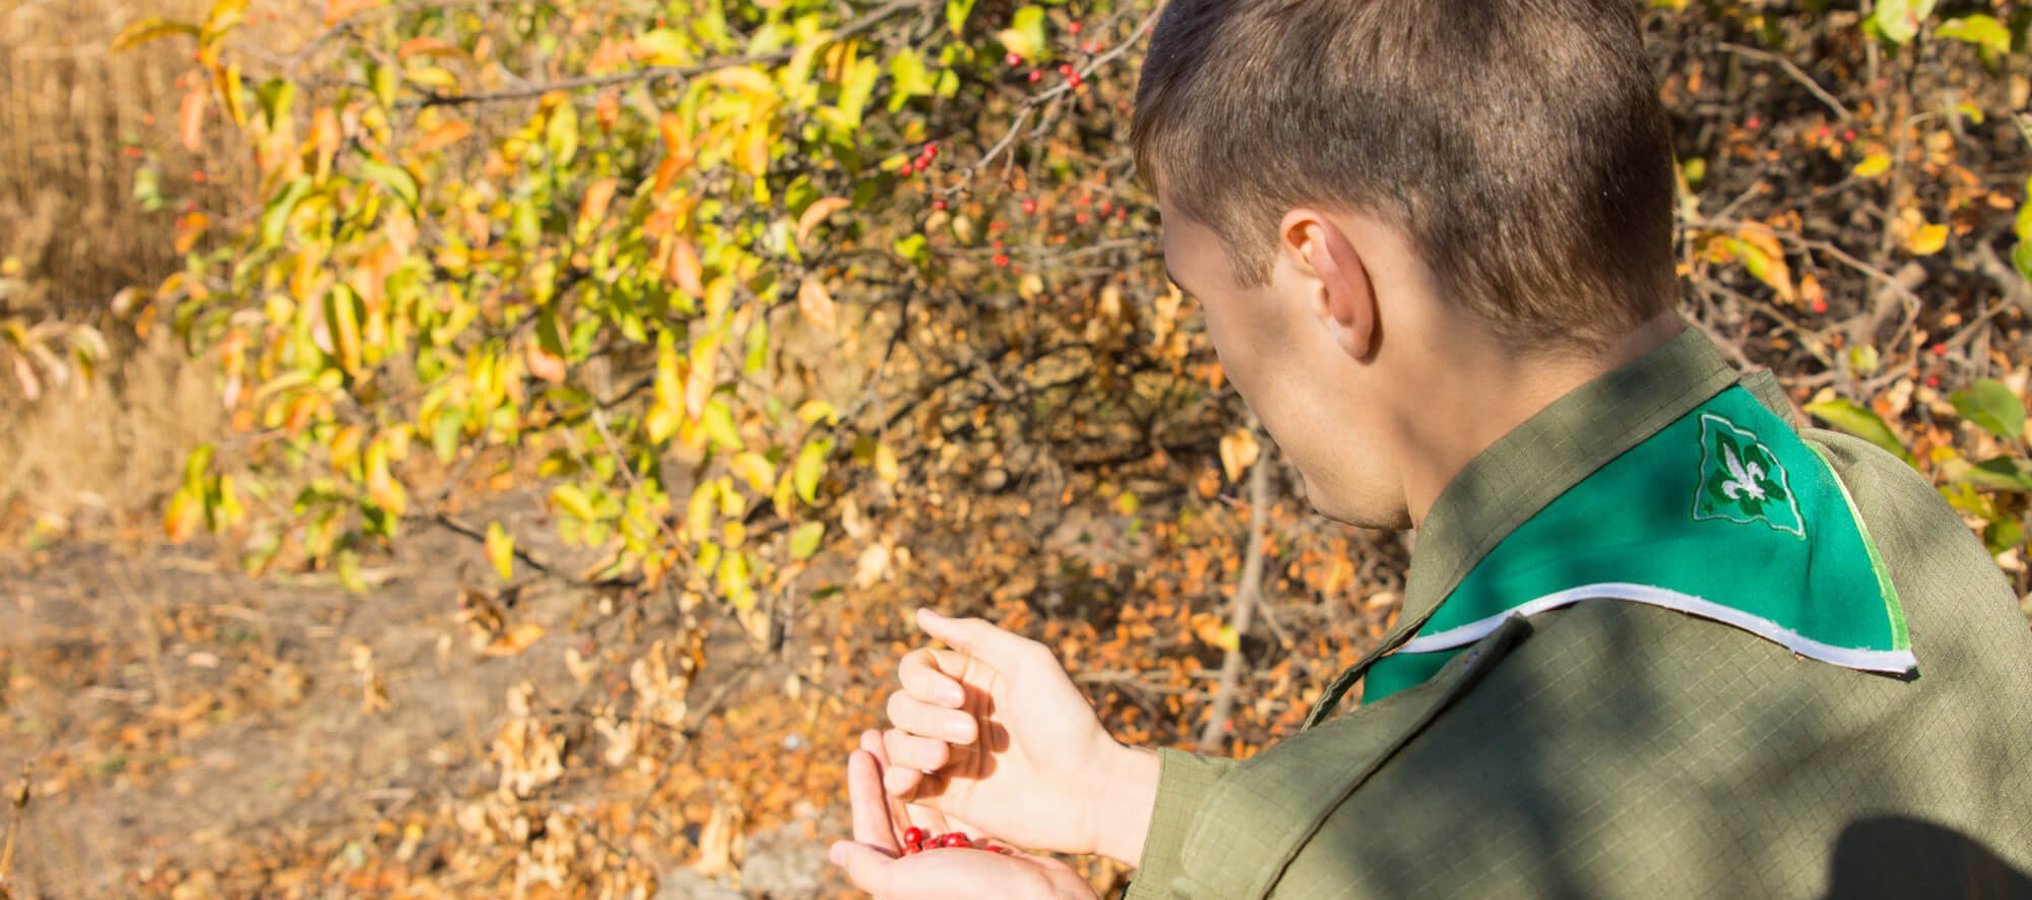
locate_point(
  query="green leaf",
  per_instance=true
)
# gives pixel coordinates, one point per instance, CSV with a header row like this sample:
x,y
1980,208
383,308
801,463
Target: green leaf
x,y
2021,257
1981,30
804,540
275,217
1898,21
396,179
1859,421
561,134
811,463
1025,34
907,78
956,12
1993,407
2000,474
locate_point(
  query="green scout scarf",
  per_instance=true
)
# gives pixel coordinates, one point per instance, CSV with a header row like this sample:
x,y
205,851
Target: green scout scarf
x,y
1724,514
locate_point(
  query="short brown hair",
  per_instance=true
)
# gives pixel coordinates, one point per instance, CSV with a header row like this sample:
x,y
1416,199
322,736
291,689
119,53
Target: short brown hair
x,y
1520,144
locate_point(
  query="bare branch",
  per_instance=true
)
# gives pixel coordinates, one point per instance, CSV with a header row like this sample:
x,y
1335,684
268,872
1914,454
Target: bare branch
x,y
1796,73
1242,606
658,73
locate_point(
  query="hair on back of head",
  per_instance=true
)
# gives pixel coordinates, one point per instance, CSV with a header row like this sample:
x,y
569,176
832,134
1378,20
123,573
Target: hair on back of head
x,y
1519,144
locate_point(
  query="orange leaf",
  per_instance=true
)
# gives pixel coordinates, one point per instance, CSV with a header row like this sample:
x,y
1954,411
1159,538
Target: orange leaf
x,y
190,118
816,213
598,196
684,267
335,10
543,363
816,303
445,135
515,641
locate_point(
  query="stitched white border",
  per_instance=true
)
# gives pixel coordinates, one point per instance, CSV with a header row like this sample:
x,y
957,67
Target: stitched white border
x,y
1872,660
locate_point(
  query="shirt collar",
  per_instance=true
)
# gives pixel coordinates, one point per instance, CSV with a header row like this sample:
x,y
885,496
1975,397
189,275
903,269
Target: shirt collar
x,y
1551,452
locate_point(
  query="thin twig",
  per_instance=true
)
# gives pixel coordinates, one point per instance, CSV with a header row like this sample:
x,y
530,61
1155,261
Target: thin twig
x,y
14,827
1050,95
1792,69
1242,606
658,73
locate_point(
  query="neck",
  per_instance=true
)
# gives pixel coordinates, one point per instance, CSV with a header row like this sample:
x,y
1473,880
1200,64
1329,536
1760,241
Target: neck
x,y
1479,397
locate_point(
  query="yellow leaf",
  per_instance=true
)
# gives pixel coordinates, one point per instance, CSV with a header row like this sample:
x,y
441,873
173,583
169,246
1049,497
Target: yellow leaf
x,y
746,80
1238,452
542,363
754,469
1927,240
501,551
886,467
1873,165
815,214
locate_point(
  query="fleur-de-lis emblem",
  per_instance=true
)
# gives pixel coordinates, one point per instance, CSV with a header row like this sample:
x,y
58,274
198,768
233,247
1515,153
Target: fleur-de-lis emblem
x,y
1741,480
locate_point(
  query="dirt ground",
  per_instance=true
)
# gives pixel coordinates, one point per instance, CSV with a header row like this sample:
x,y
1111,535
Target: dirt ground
x,y
184,719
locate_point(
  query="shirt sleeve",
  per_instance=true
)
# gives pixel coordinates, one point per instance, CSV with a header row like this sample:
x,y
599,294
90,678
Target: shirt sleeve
x,y
1183,782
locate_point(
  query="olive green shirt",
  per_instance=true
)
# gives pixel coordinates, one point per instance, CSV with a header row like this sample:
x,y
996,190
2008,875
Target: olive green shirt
x,y
1621,750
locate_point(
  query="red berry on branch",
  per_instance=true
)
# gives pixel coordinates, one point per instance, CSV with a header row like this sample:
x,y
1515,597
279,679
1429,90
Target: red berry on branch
x,y
1074,80
1074,28
1029,205
938,205
1939,349
1081,218
1013,59
1107,207
1753,123
1091,47
1002,260
1819,305
1065,69
1036,75
1849,134
1933,381
931,149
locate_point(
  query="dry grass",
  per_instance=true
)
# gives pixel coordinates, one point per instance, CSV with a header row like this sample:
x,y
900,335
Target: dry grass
x,y
68,107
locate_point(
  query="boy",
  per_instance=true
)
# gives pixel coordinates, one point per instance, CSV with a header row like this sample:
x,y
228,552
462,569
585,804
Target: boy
x,y
1656,641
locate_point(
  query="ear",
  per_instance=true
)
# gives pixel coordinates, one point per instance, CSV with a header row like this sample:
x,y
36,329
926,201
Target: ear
x,y
1344,298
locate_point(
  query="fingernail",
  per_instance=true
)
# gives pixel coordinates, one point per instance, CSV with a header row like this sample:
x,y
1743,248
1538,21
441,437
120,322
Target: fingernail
x,y
958,732
837,854
953,696
928,611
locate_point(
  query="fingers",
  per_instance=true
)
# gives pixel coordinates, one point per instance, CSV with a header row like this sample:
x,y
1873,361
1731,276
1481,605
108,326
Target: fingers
x,y
1003,651
928,721
868,868
925,676
872,825
909,751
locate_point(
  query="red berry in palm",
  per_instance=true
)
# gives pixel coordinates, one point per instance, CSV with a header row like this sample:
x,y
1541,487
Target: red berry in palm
x,y
953,839
913,835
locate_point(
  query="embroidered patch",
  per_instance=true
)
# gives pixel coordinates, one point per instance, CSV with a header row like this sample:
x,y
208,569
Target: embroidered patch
x,y
1741,480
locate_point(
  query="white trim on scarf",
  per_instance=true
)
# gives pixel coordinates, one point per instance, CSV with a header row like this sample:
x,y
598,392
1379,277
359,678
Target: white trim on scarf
x,y
1898,661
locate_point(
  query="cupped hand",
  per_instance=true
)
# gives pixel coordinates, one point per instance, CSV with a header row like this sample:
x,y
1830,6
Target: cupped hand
x,y
993,731
874,860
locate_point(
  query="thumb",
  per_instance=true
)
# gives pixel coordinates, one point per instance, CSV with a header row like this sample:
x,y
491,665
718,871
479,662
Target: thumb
x,y
868,868
1004,651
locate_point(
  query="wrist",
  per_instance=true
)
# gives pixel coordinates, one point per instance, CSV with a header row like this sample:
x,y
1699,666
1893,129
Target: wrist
x,y
1125,795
